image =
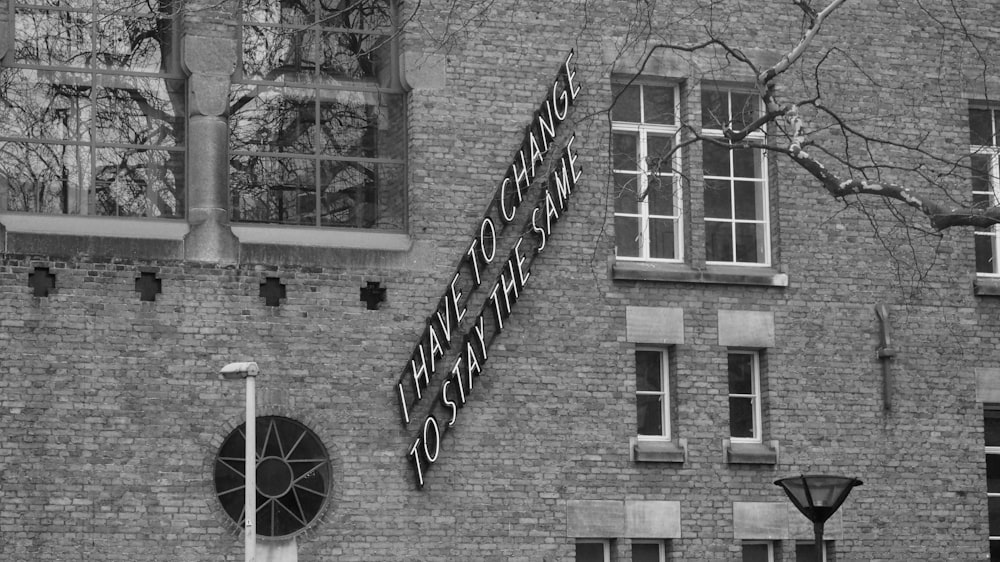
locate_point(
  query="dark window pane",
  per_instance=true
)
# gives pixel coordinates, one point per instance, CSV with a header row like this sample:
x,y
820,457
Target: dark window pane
x,y
661,239
714,109
749,243
648,370
626,236
993,473
138,183
657,153
626,192
992,419
589,552
718,204
740,373
351,56
980,172
661,195
755,553
48,178
645,552
994,508
659,105
53,38
130,42
985,262
649,409
805,552
741,417
995,551
745,109
273,190
139,110
624,150
980,127
626,103
718,241
278,54
745,162
715,160
748,204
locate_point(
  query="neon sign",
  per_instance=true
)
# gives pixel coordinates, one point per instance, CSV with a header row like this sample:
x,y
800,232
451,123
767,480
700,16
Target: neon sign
x,y
450,316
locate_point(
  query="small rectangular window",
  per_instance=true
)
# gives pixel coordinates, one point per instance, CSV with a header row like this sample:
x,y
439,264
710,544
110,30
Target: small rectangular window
x,y
737,220
758,551
744,396
652,393
593,551
985,171
646,171
649,551
806,551
992,424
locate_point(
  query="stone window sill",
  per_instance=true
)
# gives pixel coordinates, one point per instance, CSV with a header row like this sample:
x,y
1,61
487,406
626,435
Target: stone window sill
x,y
644,450
986,286
101,226
353,239
750,453
94,236
626,270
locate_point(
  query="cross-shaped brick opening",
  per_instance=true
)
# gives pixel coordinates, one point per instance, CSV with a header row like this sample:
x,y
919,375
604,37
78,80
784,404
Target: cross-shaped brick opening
x,y
148,286
373,295
273,290
42,281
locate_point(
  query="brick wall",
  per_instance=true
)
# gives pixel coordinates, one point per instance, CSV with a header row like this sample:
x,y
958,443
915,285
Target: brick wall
x,y
112,411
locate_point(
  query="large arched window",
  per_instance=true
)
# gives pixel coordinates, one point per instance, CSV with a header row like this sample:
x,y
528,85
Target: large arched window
x,y
293,476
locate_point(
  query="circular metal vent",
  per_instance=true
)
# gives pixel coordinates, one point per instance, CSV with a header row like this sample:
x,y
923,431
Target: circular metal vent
x,y
293,476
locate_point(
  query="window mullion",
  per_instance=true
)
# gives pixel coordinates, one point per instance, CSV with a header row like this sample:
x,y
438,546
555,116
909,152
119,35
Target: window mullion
x,y
643,178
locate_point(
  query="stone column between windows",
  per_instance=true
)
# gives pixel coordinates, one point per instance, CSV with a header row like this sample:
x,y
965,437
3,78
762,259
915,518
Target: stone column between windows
x,y
210,62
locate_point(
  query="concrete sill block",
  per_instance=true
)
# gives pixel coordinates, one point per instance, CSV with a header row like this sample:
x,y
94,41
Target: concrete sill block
x,y
750,453
986,286
622,270
659,451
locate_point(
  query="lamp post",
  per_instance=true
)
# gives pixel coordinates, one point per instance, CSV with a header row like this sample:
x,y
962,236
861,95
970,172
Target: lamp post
x,y
248,370
818,497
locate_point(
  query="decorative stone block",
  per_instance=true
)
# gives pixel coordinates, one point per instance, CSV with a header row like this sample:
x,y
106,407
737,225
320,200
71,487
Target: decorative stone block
x,y
746,328
423,71
646,324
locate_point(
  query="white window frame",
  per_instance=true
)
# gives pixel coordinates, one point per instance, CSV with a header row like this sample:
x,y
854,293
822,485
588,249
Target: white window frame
x,y
993,153
755,395
661,544
994,450
642,182
769,544
605,542
663,393
765,198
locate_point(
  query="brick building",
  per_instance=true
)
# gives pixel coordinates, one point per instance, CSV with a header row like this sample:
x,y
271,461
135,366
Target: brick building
x,y
475,340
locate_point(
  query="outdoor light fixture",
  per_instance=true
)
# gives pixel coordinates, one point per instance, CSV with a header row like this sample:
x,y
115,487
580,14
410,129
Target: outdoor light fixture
x,y
248,370
818,497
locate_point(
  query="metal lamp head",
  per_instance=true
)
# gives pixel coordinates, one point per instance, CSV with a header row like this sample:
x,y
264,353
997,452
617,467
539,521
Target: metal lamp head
x,y
240,370
818,496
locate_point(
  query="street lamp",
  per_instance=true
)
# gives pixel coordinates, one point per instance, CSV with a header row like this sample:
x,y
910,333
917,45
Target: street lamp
x,y
248,370
818,497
